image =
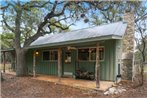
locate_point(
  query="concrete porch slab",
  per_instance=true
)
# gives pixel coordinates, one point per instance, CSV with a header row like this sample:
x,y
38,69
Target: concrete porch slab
x,y
78,83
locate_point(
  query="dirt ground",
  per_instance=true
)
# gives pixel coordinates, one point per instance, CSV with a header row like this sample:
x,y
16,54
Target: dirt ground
x,y
26,87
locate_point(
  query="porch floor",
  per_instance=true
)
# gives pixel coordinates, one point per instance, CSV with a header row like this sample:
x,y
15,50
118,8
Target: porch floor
x,y
79,83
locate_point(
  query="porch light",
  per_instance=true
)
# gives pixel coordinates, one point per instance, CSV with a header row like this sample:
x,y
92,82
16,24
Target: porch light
x,y
36,52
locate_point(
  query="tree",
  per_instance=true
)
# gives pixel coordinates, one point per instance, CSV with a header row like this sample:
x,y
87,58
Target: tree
x,y
141,41
21,18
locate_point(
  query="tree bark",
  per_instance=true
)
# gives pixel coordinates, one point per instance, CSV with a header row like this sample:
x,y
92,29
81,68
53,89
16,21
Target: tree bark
x,y
97,67
34,64
59,63
13,60
4,61
138,75
21,67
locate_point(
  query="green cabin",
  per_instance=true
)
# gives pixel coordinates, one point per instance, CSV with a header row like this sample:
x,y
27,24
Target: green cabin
x,y
78,51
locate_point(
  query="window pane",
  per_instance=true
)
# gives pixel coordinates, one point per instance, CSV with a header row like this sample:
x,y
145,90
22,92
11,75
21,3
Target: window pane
x,y
53,55
92,52
46,55
101,52
83,54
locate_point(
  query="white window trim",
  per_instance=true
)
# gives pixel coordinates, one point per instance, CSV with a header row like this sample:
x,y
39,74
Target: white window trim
x,y
89,54
49,55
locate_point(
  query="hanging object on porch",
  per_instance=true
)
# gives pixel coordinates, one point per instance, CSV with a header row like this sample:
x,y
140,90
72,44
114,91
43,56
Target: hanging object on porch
x,y
71,48
68,57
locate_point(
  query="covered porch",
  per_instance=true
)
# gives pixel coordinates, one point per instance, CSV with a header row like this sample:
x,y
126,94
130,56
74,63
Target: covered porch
x,y
66,65
97,58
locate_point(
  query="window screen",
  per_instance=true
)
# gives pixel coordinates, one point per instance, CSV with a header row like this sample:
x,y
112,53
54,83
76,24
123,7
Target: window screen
x,y
50,55
46,55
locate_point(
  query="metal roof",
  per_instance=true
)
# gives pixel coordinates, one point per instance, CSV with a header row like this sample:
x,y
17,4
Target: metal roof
x,y
113,30
7,50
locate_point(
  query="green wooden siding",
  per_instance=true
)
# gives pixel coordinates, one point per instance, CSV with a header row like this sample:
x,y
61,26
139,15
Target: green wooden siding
x,y
107,67
118,53
42,67
69,67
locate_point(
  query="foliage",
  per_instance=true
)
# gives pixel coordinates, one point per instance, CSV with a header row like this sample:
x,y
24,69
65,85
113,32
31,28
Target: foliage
x,y
7,40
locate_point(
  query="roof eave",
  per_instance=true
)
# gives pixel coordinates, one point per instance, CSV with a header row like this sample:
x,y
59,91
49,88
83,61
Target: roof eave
x,y
77,41
7,50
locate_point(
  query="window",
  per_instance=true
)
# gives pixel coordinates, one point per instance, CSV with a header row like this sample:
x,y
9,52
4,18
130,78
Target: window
x,y
101,53
53,55
50,55
92,53
89,54
83,54
45,55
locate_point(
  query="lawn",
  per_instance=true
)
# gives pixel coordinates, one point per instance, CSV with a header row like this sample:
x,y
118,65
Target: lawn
x,y
27,87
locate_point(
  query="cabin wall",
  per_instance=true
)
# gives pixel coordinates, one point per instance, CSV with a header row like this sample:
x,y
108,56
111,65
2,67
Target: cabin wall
x,y
42,67
118,52
107,67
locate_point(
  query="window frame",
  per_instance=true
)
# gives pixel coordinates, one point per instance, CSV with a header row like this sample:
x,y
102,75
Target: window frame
x,y
104,53
89,60
49,55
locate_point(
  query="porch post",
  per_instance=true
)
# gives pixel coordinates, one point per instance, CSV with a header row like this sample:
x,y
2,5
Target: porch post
x,y
4,62
34,64
59,63
97,73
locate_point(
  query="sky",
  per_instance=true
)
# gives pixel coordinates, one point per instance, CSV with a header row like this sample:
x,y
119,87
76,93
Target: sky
x,y
79,25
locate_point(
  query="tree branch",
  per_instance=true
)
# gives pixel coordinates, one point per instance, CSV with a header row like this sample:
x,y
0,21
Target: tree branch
x,y
143,16
6,24
98,5
41,25
143,43
32,4
18,26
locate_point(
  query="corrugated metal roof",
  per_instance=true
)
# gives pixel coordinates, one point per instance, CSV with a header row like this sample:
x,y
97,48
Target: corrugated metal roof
x,y
7,50
113,29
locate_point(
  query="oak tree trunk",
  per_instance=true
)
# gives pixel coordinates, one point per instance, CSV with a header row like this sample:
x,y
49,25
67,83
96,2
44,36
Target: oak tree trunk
x,y
13,60
138,75
21,67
